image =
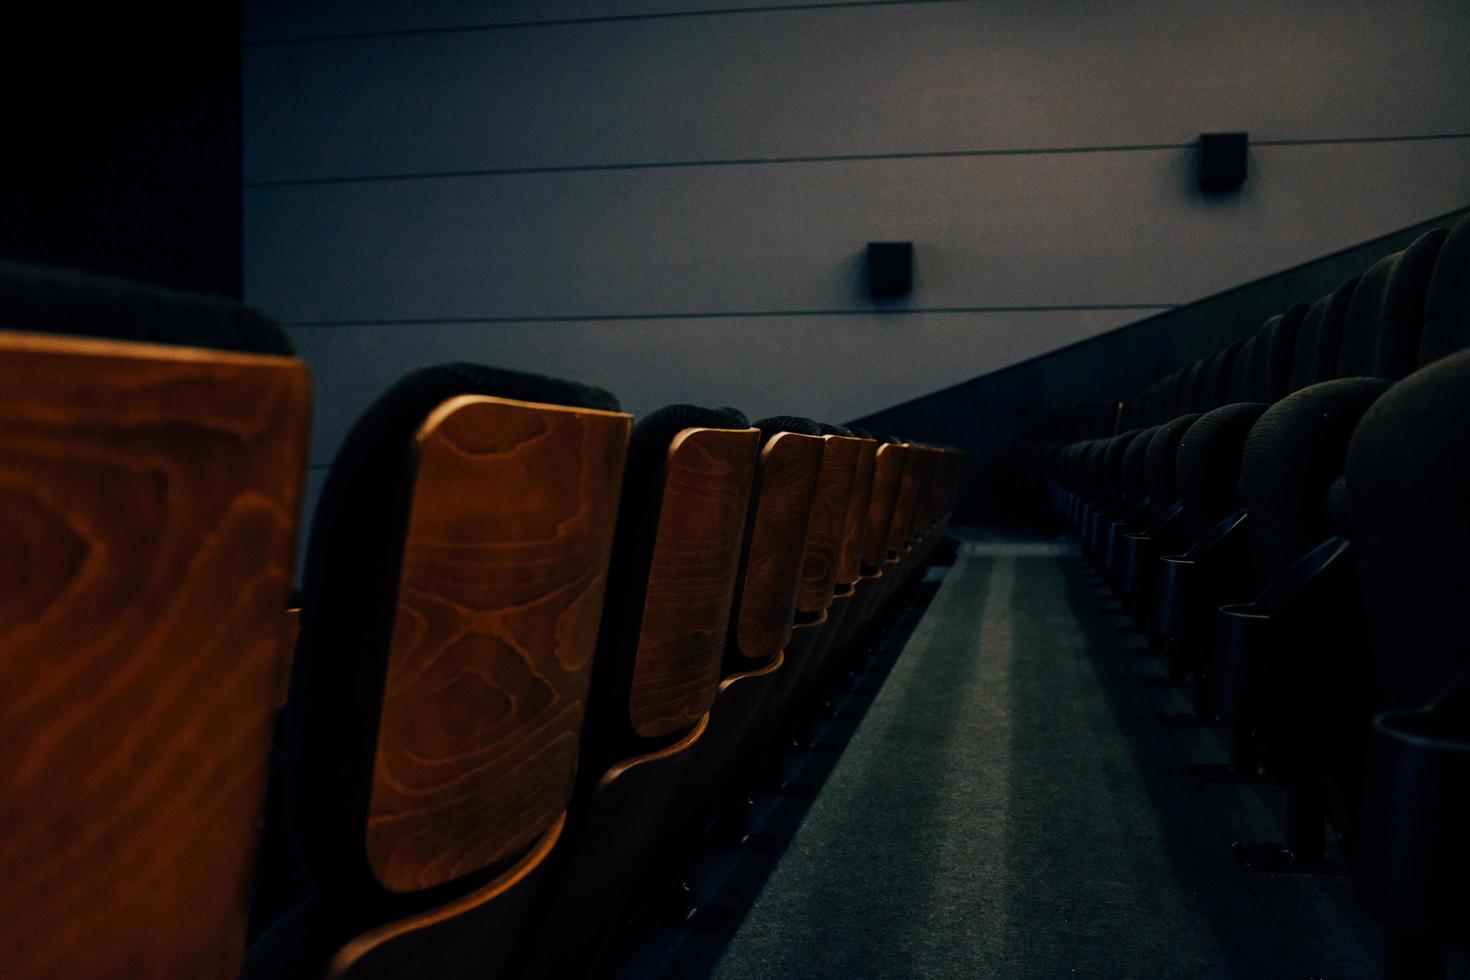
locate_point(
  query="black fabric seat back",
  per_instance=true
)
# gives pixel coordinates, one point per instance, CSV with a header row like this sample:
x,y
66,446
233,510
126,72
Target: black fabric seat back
x,y
1280,348
1319,340
1242,370
1358,351
1113,465
1447,305
1408,478
1219,375
1135,466
1159,465
1296,452
1194,388
1402,326
39,299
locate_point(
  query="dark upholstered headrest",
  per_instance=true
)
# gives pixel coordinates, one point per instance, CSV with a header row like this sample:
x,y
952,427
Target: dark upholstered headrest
x,y
1217,377
1447,305
786,423
1358,355
1241,371
1402,326
351,581
1280,346
828,429
37,299
862,433
1329,331
1304,352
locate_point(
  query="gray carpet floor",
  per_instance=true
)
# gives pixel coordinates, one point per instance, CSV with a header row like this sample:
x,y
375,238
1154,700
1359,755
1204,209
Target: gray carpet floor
x,y
1011,806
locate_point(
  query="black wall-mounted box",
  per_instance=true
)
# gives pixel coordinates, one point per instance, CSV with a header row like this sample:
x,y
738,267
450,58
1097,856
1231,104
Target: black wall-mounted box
x,y
1222,163
890,268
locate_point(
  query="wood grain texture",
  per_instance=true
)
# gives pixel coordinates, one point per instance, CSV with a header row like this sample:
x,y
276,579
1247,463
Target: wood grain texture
x,y
902,526
887,475
449,942
691,580
828,523
500,597
789,466
148,505
850,561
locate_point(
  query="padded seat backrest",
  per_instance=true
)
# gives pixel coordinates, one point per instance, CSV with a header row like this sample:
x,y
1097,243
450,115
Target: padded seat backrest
x,y
1218,377
454,587
1304,354
1280,348
1358,354
43,300
1404,298
671,581
1194,388
1159,461
1113,464
1408,476
1242,370
1135,465
1447,305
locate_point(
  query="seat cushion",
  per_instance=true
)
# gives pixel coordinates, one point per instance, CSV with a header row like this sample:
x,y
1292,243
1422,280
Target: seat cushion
x,y
1208,464
1291,458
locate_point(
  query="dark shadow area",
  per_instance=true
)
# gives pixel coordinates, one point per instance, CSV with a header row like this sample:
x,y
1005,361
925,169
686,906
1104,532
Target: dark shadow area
x,y
1261,925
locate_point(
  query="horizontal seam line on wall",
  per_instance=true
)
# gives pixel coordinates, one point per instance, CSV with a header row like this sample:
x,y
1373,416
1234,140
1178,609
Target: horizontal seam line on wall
x,y
517,25
722,315
824,158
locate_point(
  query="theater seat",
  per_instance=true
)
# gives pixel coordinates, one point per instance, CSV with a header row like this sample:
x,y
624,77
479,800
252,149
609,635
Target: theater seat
x,y
1408,476
154,445
1307,713
1297,450
762,619
453,590
686,493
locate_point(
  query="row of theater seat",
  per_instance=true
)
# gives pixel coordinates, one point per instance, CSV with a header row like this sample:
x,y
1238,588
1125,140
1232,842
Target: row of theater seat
x,y
538,645
1289,519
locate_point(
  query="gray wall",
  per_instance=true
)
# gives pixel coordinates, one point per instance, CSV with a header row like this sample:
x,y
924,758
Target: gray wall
x,y
671,198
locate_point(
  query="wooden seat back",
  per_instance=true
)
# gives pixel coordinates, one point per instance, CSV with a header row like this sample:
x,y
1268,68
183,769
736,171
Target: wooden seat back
x,y
828,525
148,506
691,578
887,477
504,568
850,559
786,484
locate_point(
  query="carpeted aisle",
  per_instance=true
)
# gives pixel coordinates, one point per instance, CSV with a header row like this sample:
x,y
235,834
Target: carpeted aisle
x,y
1011,806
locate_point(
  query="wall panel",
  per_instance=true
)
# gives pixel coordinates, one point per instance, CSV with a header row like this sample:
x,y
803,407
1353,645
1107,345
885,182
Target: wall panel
x,y
1074,229
853,80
